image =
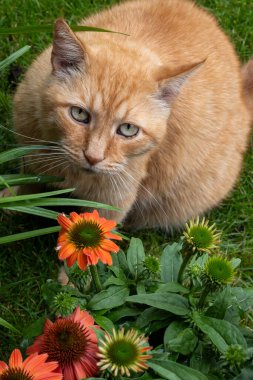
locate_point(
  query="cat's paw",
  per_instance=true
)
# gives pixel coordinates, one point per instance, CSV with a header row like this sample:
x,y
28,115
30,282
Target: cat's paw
x,y
7,193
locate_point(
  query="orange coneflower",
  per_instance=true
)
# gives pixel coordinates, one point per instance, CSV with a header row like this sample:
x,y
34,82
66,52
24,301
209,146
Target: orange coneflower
x,y
32,368
72,342
85,238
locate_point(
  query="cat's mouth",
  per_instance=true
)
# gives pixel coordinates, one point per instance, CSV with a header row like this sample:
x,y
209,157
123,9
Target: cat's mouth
x,y
88,170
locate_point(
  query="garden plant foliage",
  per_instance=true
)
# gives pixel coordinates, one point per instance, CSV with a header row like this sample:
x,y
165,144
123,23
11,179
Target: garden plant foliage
x,y
184,309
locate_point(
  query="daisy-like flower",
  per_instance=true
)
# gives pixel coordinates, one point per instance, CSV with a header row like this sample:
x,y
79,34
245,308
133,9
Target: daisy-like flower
x,y
123,353
34,367
72,343
85,238
201,237
218,271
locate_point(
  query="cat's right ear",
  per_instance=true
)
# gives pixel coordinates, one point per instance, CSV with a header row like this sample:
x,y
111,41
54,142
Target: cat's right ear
x,y
67,52
171,81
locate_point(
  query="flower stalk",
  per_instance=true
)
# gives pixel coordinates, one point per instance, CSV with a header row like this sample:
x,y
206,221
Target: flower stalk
x,y
183,266
95,277
203,296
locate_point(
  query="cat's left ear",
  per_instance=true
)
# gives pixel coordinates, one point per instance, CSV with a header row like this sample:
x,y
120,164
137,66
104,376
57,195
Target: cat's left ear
x,y
67,52
171,81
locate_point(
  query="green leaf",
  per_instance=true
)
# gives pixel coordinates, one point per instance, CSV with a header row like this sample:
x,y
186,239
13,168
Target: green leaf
x,y
122,312
171,261
8,326
222,333
149,315
114,281
246,374
107,299
140,288
220,304
171,302
122,260
135,257
173,287
49,29
174,371
7,61
182,341
243,297
29,234
104,322
34,329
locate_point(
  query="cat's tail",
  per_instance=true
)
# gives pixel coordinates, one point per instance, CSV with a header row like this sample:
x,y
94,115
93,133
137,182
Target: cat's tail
x,y
247,75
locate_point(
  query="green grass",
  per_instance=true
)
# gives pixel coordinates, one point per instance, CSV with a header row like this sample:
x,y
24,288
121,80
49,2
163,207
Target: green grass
x,y
26,265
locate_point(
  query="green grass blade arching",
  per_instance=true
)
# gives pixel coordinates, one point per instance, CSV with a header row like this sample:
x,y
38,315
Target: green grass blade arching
x,y
49,29
29,234
26,198
9,326
38,211
7,61
15,153
22,179
52,202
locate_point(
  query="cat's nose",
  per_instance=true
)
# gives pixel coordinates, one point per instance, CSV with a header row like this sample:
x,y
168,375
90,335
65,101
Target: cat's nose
x,y
92,158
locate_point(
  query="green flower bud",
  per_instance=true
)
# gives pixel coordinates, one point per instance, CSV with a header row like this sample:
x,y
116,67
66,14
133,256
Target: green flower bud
x,y
64,303
218,271
152,264
235,355
200,237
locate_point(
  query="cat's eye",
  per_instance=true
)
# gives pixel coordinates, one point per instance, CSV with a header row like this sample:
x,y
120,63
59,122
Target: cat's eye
x,y
81,115
127,130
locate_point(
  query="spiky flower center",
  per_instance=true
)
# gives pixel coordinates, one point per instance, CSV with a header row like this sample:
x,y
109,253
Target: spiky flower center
x,y
122,353
64,303
86,233
219,270
152,264
15,374
235,354
66,342
201,236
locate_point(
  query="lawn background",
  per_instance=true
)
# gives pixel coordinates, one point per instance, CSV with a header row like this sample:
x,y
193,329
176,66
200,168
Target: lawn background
x,y
26,265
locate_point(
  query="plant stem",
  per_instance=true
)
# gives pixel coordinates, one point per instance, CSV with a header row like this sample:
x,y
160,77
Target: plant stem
x,y
95,277
183,266
203,296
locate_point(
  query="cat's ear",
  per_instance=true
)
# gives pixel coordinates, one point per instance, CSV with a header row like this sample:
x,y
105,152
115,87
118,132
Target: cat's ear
x,y
171,81
67,52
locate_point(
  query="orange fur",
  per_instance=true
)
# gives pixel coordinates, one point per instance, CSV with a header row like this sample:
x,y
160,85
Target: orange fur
x,y
176,76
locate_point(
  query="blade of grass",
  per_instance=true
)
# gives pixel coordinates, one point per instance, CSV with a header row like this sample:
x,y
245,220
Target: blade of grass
x,y
15,153
38,211
7,61
7,325
28,197
56,202
49,29
29,234
21,179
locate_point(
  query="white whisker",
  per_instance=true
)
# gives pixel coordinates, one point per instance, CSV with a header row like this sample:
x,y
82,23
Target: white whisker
x,y
30,138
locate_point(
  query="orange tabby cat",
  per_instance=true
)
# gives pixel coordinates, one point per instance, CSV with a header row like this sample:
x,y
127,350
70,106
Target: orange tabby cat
x,y
155,121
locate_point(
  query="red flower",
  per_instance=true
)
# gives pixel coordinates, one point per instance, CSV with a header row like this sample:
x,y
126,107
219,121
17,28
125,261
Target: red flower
x,y
85,238
72,342
32,368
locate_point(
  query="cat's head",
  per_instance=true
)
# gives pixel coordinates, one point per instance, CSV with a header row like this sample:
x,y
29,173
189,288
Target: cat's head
x,y
107,101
